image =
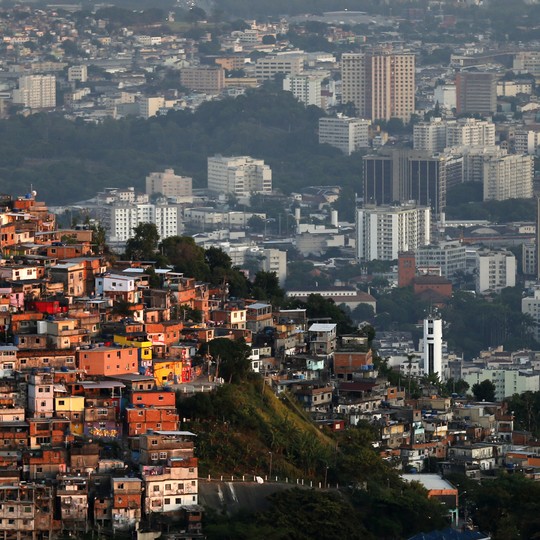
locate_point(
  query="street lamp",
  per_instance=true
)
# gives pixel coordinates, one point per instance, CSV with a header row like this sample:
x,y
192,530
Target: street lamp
x,y
325,476
270,471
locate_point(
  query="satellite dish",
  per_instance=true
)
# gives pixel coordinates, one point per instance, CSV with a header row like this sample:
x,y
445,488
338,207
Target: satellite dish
x,y
34,193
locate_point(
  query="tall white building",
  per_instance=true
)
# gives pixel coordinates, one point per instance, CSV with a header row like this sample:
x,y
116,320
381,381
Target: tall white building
x,y
384,231
495,270
275,260
346,134
240,176
36,91
381,85
170,185
305,88
433,346
508,177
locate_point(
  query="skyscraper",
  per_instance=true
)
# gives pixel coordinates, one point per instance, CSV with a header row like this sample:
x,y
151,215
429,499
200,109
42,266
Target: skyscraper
x,y
381,85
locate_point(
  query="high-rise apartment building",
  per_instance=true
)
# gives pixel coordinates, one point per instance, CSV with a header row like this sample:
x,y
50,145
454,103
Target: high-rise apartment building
x,y
382,232
238,175
169,185
346,134
476,93
430,136
119,219
508,177
36,91
305,88
438,134
381,85
470,132
527,62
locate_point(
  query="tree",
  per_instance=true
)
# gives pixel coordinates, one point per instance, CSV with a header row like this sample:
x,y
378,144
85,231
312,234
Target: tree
x,y
231,358
143,245
266,287
484,391
186,256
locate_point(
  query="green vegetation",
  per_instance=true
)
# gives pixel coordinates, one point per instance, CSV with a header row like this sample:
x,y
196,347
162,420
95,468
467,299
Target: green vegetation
x,y
465,202
508,507
69,161
474,323
526,410
241,427
484,391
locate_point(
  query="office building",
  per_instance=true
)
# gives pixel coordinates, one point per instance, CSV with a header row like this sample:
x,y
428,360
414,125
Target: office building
x,y
495,270
305,88
508,177
346,134
401,175
450,257
36,91
170,185
380,85
384,231
238,175
205,79
476,93
288,64
432,346
275,260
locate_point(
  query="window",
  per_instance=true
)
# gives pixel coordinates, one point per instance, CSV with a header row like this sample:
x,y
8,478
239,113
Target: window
x,y
154,442
163,455
178,500
154,456
156,488
193,483
167,501
61,402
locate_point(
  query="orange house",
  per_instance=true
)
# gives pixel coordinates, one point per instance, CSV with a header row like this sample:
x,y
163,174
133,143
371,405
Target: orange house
x,y
107,361
143,419
153,399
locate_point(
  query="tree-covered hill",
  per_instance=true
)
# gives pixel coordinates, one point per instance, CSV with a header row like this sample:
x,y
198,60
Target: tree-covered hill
x,y
240,427
69,161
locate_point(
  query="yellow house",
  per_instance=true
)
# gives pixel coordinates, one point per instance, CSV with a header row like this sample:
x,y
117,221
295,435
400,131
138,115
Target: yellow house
x,y
72,408
168,371
137,341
